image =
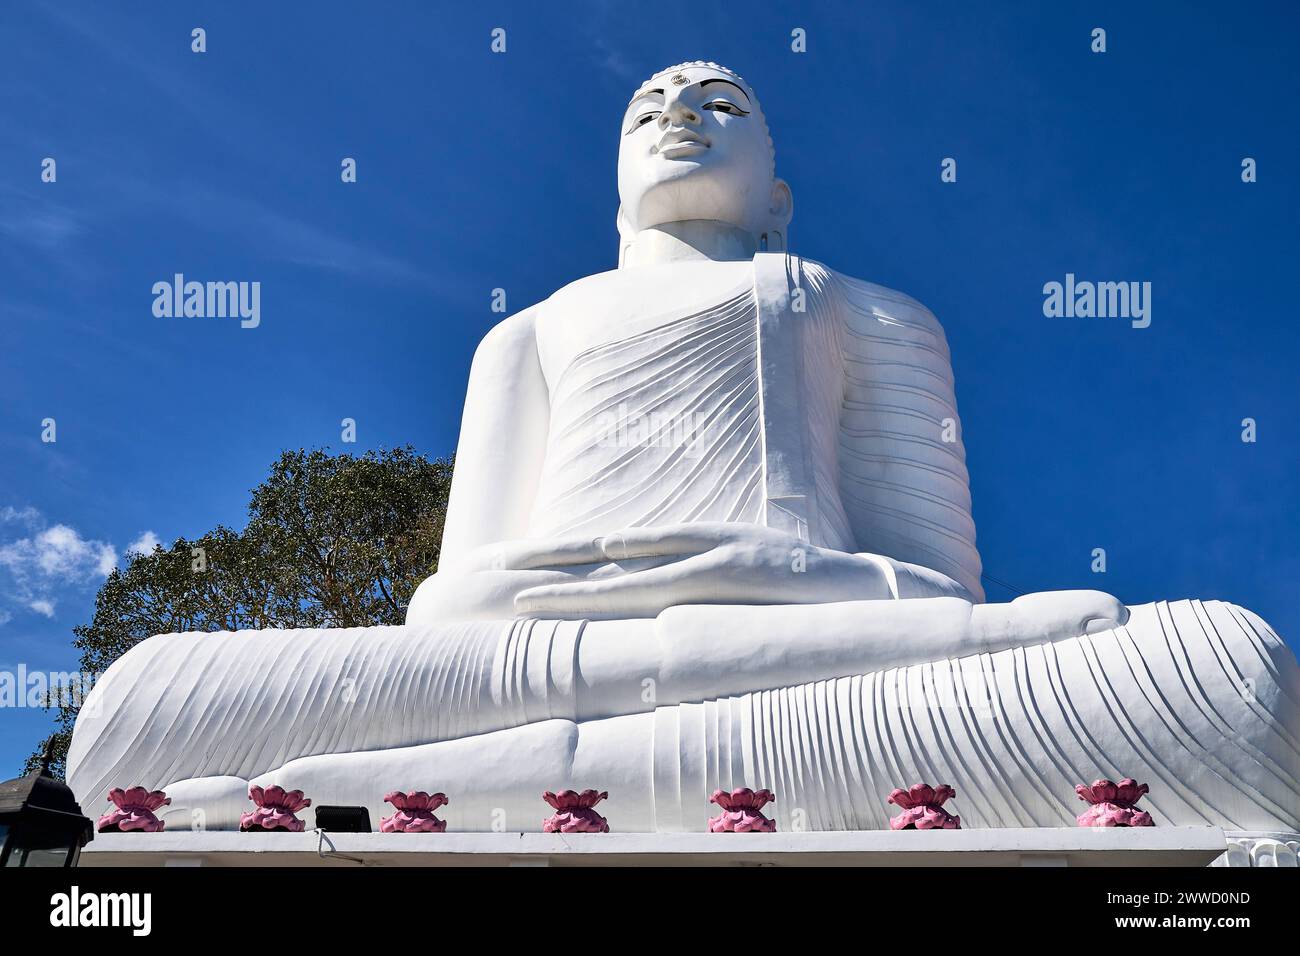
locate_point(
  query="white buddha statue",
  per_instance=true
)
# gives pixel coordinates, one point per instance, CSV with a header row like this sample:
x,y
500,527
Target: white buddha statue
x,y
710,527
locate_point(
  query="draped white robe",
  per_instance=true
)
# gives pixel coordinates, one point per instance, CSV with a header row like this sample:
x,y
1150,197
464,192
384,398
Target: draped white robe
x,y
682,421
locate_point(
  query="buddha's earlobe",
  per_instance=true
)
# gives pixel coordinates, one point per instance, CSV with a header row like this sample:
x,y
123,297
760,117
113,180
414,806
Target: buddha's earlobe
x,y
625,234
782,209
624,226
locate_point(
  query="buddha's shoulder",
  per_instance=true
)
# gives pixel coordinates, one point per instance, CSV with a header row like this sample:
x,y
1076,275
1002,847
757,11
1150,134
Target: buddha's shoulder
x,y
869,297
630,296
663,278
520,330
509,334
596,284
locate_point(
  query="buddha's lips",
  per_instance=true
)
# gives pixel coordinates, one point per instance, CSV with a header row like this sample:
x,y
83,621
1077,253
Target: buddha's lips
x,y
678,142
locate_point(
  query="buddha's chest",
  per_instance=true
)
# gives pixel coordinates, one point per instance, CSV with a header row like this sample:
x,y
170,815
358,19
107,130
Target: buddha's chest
x,y
654,413
599,313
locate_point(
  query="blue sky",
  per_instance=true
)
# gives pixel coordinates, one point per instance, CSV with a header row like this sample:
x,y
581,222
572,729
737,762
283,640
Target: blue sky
x,y
479,170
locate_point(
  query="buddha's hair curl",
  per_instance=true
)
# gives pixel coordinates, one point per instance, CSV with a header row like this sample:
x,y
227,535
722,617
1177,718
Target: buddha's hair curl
x,y
740,81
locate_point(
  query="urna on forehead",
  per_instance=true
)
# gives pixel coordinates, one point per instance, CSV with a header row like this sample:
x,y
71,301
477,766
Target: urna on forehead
x,y
693,72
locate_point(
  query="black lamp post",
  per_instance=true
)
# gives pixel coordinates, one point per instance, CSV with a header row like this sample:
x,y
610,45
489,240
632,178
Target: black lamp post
x,y
40,820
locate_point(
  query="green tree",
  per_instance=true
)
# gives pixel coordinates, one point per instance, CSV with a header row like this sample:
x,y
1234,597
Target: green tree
x,y
331,541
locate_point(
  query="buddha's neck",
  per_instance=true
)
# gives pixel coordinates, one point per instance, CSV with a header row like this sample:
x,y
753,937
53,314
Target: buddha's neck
x,y
691,239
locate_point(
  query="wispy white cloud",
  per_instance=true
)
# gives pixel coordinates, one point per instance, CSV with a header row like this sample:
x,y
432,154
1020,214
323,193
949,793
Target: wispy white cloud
x,y
28,516
221,209
39,561
615,62
48,227
143,544
58,551
42,606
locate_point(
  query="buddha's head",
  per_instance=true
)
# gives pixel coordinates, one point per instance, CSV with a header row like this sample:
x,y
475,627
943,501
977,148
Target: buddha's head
x,y
695,146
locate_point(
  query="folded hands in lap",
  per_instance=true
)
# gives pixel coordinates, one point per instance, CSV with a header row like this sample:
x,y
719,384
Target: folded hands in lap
x,y
639,572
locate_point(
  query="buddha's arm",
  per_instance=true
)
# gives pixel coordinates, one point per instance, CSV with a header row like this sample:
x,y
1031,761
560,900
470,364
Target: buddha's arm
x,y
711,650
903,479
502,441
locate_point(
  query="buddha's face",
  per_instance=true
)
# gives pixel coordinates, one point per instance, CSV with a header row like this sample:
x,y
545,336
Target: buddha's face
x,y
694,146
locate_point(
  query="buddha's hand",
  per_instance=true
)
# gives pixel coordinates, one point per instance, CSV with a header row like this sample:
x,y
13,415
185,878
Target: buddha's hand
x,y
642,571
484,583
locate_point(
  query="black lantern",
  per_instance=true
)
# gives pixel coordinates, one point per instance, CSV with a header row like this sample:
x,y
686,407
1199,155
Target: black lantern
x,y
40,820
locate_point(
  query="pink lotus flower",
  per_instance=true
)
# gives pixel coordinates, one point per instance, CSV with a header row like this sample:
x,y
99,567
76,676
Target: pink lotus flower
x,y
1125,793
741,811
922,808
275,809
574,813
133,810
1113,804
414,812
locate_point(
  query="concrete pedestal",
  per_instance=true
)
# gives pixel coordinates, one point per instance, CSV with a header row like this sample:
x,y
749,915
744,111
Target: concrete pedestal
x,y
1155,846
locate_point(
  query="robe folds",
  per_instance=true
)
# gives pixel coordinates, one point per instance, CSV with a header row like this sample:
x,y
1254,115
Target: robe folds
x,y
802,394
1200,700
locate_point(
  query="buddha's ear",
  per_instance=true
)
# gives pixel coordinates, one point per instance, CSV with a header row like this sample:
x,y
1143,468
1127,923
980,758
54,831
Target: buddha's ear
x,y
625,234
782,209
625,229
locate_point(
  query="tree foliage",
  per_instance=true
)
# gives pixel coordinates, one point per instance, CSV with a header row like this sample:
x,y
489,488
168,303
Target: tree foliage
x,y
331,541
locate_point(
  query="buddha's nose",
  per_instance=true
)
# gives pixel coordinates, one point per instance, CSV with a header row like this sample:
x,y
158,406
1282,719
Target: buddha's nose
x,y
677,114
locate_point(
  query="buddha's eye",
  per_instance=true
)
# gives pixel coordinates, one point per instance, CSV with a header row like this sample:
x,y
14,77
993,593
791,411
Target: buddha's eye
x,y
643,119
722,106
